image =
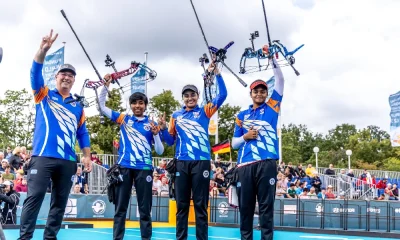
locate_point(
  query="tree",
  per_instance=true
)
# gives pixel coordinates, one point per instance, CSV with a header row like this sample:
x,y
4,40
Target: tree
x,y
163,103
339,136
103,135
17,119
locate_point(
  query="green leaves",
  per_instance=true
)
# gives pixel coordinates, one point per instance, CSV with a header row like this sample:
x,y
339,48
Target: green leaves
x,y
17,116
164,103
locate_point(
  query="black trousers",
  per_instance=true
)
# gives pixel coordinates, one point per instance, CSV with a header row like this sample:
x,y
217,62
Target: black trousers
x,y
41,170
143,181
257,180
192,176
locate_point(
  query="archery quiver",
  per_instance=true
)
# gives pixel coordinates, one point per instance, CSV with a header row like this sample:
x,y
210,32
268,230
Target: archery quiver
x,y
114,177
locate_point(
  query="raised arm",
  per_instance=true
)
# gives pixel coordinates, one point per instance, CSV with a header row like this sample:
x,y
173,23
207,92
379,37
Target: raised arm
x,y
113,115
37,81
279,80
169,133
216,103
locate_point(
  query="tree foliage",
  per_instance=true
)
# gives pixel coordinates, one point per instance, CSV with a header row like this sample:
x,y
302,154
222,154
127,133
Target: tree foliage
x,y
17,116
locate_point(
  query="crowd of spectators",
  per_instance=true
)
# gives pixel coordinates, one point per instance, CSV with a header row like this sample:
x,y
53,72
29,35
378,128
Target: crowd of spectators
x,y
14,167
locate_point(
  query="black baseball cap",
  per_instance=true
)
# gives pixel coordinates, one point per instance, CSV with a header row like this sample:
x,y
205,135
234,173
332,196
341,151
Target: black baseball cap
x,y
191,88
67,67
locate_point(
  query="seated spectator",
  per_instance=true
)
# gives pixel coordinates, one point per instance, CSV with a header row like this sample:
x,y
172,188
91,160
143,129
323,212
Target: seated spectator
x,y
381,197
9,153
300,172
288,175
79,179
22,186
310,171
281,185
15,160
388,192
312,194
164,188
213,188
292,191
95,158
341,196
299,190
161,167
322,194
291,169
329,193
18,177
316,183
281,167
219,164
395,191
221,184
7,175
77,189
156,184
304,194
330,171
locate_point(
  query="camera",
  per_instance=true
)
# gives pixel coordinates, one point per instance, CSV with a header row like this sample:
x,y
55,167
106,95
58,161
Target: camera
x,y
254,35
204,59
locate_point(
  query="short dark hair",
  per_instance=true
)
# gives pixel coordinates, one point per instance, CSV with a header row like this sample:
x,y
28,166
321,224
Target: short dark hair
x,y
137,96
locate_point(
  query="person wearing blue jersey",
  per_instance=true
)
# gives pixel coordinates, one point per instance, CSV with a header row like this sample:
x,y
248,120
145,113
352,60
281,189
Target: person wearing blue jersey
x,y
189,128
257,140
138,133
58,125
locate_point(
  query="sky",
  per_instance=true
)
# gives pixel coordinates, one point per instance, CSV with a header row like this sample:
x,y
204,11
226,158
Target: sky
x,y
348,66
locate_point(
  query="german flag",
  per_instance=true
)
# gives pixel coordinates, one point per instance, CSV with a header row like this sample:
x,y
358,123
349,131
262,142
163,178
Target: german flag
x,y
222,147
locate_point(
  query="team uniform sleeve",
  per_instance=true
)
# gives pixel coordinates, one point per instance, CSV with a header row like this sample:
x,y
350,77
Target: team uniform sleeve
x,y
276,98
40,91
215,104
113,115
169,135
82,134
238,139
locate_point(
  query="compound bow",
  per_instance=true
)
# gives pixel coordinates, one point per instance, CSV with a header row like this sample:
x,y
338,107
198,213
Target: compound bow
x,y
218,56
275,47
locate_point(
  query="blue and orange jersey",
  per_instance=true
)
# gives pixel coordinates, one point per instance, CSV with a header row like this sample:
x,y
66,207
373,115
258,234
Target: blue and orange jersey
x,y
265,120
136,138
190,128
57,124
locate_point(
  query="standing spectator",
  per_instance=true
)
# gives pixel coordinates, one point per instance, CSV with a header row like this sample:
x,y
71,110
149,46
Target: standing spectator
x,y
350,174
291,169
95,158
23,154
9,152
330,171
15,160
381,184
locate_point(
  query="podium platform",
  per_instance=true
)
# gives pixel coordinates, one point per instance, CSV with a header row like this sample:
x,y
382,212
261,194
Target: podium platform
x,y
40,224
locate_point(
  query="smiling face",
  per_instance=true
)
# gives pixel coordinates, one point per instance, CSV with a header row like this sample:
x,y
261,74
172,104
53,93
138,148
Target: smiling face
x,y
138,108
65,80
190,99
259,95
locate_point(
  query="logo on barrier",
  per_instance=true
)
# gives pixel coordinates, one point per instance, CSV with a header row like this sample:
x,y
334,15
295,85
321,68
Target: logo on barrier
x,y
289,209
319,208
397,210
340,210
99,207
206,174
223,209
374,210
71,209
